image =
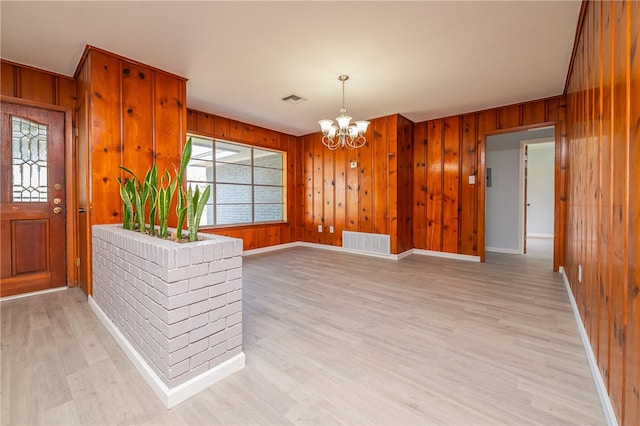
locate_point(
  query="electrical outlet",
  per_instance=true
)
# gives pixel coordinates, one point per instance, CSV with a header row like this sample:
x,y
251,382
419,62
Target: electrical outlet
x,y
354,164
331,229
319,228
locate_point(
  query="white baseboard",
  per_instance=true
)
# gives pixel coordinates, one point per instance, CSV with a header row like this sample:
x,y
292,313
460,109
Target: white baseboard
x,y
33,293
537,235
206,379
456,256
363,253
345,250
318,246
404,254
609,414
170,397
270,248
502,250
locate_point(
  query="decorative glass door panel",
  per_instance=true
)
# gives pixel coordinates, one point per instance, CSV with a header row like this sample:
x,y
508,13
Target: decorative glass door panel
x,y
29,161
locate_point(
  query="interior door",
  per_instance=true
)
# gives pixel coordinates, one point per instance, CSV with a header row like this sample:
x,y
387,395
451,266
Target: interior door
x,y
32,199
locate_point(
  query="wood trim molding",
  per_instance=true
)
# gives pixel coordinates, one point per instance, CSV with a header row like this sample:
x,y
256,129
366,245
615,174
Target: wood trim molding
x,y
559,219
29,67
88,48
581,15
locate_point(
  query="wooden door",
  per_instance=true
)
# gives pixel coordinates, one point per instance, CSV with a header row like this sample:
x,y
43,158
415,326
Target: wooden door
x,y
32,199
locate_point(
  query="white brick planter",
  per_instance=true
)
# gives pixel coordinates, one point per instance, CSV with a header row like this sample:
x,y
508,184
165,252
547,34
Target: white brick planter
x,y
175,309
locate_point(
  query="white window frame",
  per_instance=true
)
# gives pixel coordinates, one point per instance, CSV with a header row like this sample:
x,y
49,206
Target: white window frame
x,y
214,162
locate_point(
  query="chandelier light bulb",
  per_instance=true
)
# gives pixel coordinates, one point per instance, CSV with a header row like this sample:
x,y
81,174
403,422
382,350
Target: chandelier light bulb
x,y
343,122
325,125
362,126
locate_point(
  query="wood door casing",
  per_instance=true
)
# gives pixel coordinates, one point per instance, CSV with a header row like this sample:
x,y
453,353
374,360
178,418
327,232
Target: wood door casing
x,y
82,191
526,202
33,241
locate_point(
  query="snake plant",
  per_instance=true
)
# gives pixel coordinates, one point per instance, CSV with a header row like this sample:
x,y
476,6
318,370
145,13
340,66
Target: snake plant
x,y
158,196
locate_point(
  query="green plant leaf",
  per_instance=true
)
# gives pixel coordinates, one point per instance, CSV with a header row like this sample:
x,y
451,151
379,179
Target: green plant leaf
x,y
127,210
186,157
200,206
129,171
181,211
152,187
162,213
191,215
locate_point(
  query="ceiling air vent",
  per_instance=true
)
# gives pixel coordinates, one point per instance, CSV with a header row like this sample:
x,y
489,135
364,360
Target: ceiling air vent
x,y
293,99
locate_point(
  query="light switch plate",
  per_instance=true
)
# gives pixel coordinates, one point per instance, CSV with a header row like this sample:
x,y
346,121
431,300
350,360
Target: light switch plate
x,y
331,229
319,228
579,273
472,180
354,164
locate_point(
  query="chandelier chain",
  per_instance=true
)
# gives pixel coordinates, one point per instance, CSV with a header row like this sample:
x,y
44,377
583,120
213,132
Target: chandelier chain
x,y
343,110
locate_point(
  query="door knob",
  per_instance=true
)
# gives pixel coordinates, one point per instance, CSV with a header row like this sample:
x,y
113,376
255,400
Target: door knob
x,y
57,210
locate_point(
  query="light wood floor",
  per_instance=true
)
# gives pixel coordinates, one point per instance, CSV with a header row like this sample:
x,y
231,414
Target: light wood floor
x,y
330,338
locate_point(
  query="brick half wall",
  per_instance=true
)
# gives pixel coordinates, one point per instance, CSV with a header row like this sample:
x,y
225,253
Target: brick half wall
x,y
178,305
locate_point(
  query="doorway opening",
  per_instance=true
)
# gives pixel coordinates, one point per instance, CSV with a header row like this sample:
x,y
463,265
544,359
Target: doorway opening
x,y
519,193
539,182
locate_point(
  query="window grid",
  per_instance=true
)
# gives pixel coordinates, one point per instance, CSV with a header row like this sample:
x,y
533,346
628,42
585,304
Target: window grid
x,y
213,164
29,161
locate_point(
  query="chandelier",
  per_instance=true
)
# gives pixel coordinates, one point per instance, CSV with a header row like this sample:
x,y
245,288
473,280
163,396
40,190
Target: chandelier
x,y
344,134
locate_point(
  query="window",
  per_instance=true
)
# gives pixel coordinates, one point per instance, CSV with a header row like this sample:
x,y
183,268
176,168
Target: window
x,y
247,183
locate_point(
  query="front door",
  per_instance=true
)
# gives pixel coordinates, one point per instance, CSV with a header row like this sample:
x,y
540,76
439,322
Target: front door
x,y
32,198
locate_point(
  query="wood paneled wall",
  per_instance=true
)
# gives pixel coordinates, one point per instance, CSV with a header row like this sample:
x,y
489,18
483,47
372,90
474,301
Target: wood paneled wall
x,y
374,196
448,211
401,187
256,236
129,114
136,115
21,81
603,230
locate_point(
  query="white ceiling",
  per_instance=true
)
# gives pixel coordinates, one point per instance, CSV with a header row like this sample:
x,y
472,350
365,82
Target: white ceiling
x,y
420,59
